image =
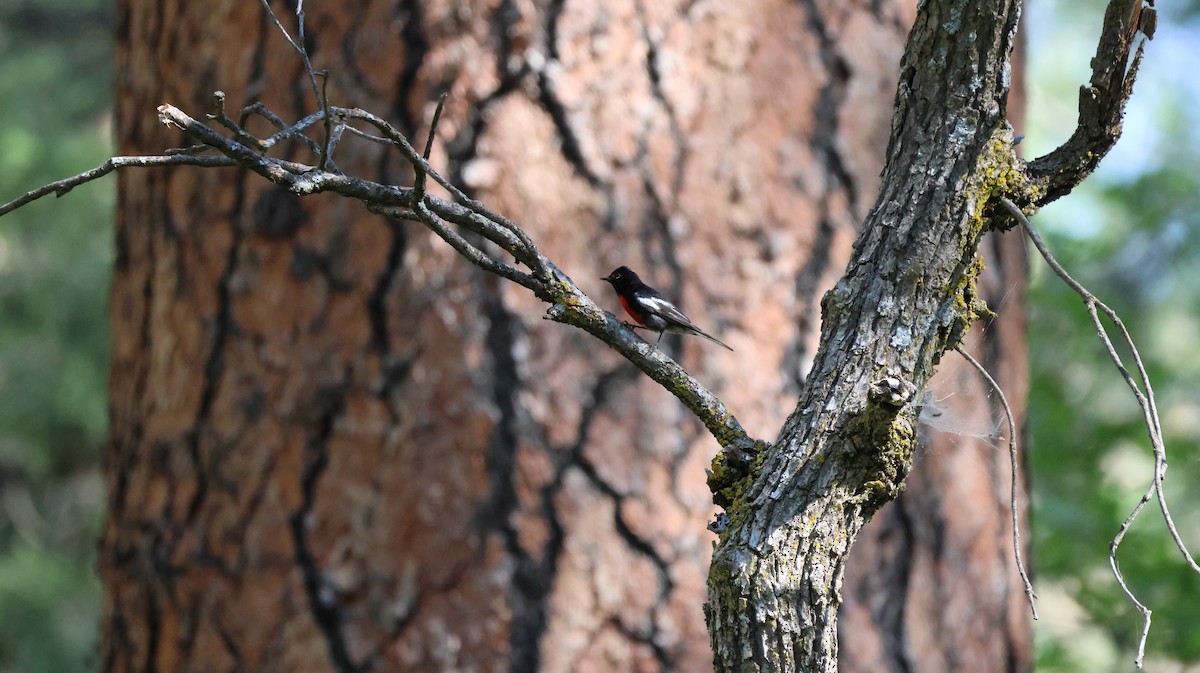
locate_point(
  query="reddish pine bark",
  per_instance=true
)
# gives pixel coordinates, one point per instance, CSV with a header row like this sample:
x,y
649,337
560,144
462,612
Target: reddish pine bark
x,y
337,446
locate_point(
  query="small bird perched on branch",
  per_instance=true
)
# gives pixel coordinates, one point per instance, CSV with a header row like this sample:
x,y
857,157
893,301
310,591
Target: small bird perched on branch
x,y
650,309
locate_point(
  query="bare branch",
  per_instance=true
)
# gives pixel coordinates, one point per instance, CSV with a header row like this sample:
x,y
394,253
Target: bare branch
x,y
297,131
318,89
285,132
419,180
400,142
410,153
67,184
368,136
473,254
294,131
573,307
1012,457
312,180
241,154
1116,569
437,116
1144,393
223,119
327,147
334,138
569,304
257,108
1102,103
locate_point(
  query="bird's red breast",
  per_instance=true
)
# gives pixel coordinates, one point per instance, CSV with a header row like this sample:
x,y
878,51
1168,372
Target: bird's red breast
x,y
631,310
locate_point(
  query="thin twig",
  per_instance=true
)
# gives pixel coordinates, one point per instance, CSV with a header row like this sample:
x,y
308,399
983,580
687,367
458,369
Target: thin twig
x,y
1112,563
223,119
334,138
60,187
1144,393
257,108
472,253
535,261
419,180
368,136
296,131
1012,456
192,149
327,148
437,116
322,103
400,142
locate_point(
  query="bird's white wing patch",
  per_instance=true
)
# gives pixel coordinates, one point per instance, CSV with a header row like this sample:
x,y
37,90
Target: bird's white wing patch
x,y
666,310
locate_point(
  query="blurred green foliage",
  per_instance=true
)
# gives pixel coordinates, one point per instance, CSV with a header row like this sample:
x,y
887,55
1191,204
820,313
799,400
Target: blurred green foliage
x,y
55,259
1131,234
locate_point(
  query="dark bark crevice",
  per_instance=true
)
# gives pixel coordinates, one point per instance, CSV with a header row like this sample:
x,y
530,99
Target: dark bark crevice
x,y
830,100
214,365
533,574
569,143
322,598
416,49
377,301
153,623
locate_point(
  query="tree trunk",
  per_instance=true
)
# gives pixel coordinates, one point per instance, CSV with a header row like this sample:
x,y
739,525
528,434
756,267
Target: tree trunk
x,y
909,294
931,584
337,446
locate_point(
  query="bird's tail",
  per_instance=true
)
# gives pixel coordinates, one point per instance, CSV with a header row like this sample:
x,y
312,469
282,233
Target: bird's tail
x,y
713,339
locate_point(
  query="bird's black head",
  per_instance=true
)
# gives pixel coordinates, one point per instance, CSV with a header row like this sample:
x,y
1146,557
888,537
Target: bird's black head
x,y
622,277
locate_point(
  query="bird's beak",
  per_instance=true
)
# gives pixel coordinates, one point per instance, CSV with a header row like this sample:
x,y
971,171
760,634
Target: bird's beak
x,y
607,278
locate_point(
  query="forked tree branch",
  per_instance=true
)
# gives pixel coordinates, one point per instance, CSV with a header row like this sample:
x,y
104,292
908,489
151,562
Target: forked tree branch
x,y
446,218
569,304
313,77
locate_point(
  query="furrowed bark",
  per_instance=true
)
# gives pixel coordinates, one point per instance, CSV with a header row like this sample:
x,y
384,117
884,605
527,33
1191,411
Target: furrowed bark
x,y
907,296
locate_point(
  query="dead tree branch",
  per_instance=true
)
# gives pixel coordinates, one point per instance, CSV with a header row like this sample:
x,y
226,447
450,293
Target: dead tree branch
x,y
1012,457
1101,103
1143,392
61,187
313,77
446,218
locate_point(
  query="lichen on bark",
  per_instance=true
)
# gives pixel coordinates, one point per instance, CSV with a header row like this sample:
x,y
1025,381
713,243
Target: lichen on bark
x,y
909,294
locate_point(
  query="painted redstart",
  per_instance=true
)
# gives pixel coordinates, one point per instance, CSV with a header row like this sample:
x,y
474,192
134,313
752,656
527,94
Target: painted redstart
x,y
650,309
